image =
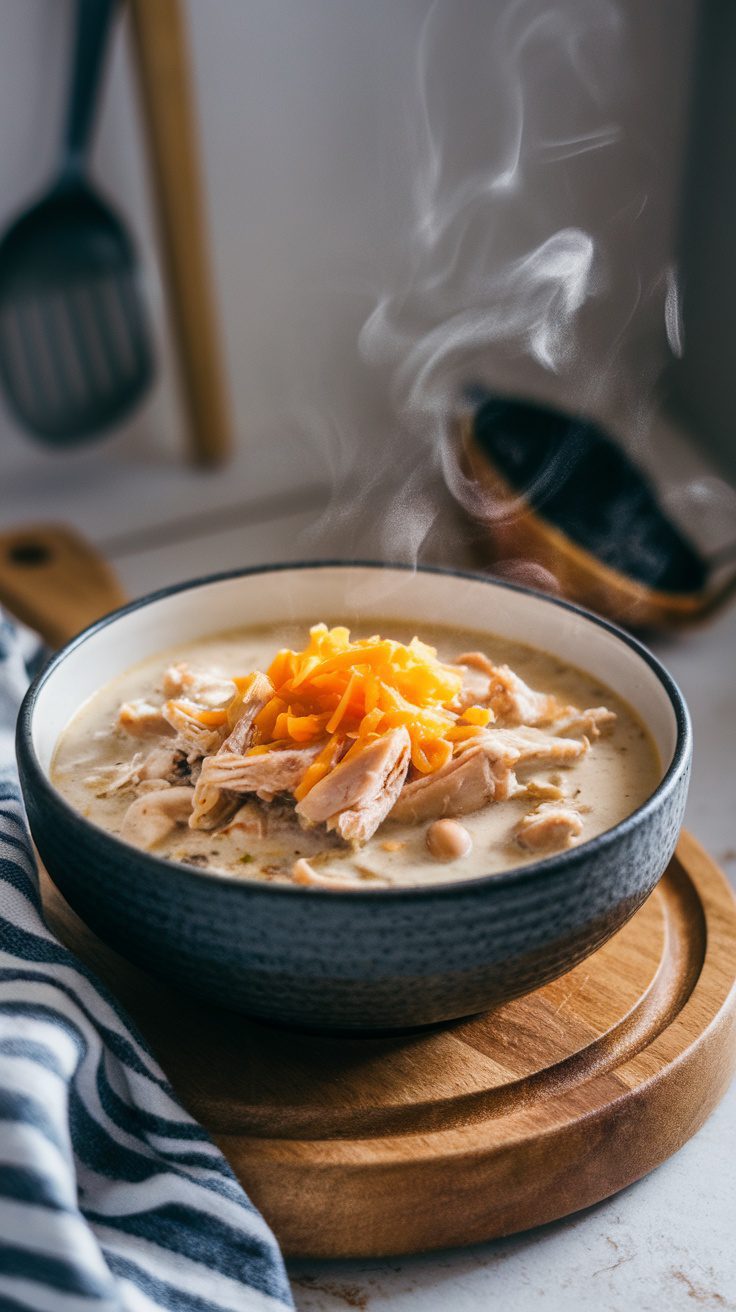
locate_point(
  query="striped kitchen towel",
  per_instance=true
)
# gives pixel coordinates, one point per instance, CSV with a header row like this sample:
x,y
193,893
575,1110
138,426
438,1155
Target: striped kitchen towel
x,y
111,1197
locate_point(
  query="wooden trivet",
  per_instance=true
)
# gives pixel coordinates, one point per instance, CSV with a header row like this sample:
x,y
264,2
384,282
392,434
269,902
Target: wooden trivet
x,y
378,1146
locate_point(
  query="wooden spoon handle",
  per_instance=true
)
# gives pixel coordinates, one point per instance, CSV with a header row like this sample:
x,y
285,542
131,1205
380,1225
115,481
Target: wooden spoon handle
x,y
161,51
54,581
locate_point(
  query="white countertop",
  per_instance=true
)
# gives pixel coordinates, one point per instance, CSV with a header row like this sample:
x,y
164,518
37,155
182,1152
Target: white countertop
x,y
666,1242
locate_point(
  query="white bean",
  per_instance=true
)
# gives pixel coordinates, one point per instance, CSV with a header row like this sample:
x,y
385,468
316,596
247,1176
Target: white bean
x,y
448,840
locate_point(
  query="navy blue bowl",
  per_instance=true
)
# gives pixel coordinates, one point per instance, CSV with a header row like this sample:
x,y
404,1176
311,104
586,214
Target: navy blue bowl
x,y
365,960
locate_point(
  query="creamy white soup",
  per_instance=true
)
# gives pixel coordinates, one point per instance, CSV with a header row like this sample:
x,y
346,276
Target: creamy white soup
x,y
353,761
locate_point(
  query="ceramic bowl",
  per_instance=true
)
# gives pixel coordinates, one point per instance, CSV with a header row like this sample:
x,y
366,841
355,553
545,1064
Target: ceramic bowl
x,y
379,958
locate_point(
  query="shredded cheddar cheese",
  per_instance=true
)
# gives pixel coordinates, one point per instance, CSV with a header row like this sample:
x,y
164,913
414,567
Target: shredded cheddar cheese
x,y
344,694
202,714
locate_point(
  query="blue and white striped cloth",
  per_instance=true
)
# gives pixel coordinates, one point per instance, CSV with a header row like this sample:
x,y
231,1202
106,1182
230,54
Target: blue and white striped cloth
x,y
111,1197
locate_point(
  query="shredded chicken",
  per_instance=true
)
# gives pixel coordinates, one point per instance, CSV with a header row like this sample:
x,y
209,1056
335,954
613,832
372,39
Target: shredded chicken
x,y
515,703
303,872
111,779
511,699
265,775
544,790
357,795
207,688
141,719
464,785
527,745
185,721
592,723
551,827
154,816
163,764
250,821
166,764
242,715
476,685
483,772
213,804
231,773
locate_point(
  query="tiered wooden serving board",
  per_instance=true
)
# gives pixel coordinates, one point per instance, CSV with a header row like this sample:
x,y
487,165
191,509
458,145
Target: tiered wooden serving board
x,y
379,1146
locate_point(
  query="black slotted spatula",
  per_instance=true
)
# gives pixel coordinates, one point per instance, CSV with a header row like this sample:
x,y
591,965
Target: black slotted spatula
x,y
75,353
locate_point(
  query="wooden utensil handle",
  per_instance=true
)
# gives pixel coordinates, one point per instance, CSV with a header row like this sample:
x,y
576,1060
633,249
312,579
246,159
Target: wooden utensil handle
x,y
160,45
54,581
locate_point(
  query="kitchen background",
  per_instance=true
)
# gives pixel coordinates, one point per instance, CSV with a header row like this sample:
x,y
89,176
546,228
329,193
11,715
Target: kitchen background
x,y
403,197
410,157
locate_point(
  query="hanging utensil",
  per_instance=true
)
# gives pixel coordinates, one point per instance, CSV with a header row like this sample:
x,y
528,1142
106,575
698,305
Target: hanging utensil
x,y
75,354
161,55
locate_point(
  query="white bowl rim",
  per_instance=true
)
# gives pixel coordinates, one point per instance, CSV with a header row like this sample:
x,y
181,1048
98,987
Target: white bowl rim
x,y
570,858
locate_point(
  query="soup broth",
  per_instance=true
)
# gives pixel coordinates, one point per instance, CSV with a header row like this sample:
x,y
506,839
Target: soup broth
x,y
103,764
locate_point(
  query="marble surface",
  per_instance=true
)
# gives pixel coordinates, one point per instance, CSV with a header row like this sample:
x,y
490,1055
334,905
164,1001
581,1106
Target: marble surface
x,y
666,1242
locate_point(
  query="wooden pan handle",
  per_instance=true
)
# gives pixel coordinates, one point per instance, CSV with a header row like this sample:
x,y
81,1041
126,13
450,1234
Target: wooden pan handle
x,y
54,581
160,46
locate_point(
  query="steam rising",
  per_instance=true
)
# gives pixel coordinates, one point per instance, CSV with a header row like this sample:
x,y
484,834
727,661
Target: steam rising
x,y
533,300
673,314
499,266
475,293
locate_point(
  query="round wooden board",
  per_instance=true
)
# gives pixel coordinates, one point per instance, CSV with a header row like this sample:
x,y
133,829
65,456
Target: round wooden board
x,y
380,1146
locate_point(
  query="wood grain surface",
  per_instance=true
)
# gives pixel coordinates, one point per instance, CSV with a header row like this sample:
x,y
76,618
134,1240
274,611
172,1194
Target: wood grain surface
x,y
167,93
52,580
379,1146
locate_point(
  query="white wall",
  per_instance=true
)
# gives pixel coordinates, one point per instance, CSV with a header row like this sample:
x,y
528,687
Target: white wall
x,y
314,135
